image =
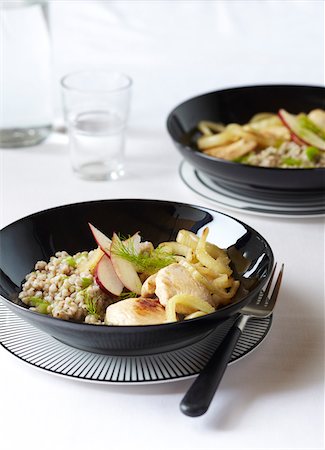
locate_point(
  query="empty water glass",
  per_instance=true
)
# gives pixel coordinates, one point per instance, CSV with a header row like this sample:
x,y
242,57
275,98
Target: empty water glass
x,y
96,107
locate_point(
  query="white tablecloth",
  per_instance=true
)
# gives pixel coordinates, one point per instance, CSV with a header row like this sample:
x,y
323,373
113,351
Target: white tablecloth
x,y
273,398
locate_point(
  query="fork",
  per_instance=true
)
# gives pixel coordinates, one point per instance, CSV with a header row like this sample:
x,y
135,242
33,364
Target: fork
x,y
199,396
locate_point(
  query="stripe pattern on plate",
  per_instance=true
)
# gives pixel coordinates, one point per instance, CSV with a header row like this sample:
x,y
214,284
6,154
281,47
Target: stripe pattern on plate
x,y
44,352
203,186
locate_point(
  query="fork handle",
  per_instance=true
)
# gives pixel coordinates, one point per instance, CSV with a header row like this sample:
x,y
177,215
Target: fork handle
x,y
199,396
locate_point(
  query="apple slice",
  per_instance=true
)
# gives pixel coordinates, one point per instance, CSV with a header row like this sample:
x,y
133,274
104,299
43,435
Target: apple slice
x,y
106,277
301,132
134,241
295,139
90,264
124,269
102,240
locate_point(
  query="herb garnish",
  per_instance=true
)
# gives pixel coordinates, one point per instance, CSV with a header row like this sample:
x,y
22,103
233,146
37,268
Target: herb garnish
x,y
91,304
146,262
126,295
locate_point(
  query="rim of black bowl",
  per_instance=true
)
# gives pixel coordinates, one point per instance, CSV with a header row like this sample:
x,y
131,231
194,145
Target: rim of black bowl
x,y
130,327
238,88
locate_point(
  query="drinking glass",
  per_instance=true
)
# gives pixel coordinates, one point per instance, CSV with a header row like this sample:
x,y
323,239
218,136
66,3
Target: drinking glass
x,y
96,107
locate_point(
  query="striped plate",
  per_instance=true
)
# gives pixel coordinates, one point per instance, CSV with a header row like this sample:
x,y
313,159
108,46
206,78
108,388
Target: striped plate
x,y
202,185
44,352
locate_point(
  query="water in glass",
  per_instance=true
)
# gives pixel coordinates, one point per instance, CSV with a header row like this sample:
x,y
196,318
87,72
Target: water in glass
x,y
97,145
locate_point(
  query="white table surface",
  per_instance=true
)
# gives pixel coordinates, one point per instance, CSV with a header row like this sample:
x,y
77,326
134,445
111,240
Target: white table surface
x,y
273,398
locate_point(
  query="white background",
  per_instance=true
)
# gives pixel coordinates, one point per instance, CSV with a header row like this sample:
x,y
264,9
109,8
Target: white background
x,y
274,398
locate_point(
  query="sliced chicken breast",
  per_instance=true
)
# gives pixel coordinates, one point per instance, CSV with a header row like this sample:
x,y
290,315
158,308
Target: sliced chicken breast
x,y
176,279
149,286
135,311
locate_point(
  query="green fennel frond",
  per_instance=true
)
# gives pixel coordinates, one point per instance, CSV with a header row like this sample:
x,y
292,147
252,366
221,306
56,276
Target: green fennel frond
x,y
146,262
126,295
91,304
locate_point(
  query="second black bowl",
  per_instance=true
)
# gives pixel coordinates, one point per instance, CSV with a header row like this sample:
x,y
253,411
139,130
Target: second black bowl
x,y
238,105
39,236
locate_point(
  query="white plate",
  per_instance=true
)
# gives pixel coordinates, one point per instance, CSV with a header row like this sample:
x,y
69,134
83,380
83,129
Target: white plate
x,y
46,353
202,185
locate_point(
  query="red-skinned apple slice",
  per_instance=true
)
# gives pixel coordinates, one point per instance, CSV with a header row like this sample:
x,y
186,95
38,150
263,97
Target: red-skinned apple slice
x,y
303,134
102,240
106,277
296,139
124,269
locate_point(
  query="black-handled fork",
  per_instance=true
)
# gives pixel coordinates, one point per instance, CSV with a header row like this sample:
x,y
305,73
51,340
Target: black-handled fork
x,y
199,396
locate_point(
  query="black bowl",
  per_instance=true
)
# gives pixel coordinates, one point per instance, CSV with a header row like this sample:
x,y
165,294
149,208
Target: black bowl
x,y
39,236
239,105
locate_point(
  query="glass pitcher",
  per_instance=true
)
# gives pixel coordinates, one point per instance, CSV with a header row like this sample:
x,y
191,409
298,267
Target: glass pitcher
x,y
25,75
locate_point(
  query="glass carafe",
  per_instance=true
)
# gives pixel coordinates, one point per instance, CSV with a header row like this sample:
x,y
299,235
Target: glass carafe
x,y
25,74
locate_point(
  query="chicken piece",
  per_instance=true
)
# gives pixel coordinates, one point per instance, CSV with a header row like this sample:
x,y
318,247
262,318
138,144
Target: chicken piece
x,y
232,151
135,311
318,117
149,286
176,279
146,247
